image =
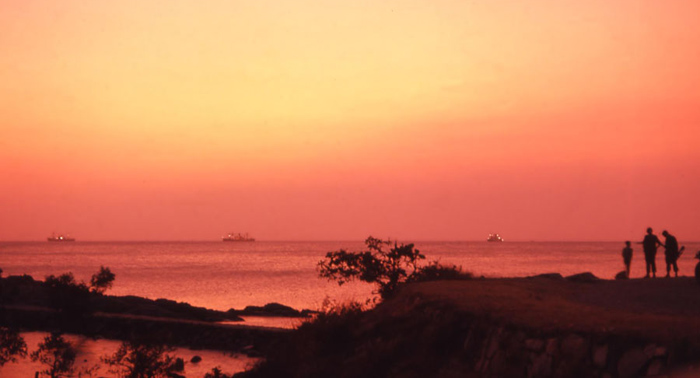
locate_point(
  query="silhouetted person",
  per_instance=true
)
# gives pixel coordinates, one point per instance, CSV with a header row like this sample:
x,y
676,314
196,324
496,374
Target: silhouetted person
x,y
671,253
651,243
627,257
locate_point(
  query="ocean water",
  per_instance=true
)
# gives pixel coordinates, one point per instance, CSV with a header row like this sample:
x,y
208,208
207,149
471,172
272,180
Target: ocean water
x,y
223,275
233,275
90,351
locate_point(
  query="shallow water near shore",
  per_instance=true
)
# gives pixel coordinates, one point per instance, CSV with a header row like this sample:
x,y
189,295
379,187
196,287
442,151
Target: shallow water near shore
x,y
90,351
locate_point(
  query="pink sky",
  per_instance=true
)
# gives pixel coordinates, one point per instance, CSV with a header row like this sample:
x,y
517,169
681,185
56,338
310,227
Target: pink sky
x,y
326,120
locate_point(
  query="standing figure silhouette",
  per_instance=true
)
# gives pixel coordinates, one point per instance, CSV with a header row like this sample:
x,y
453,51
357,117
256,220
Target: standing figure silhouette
x,y
671,253
627,257
651,243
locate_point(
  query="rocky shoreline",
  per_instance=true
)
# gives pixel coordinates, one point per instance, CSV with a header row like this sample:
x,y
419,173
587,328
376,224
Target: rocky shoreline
x,y
500,350
251,340
25,290
28,304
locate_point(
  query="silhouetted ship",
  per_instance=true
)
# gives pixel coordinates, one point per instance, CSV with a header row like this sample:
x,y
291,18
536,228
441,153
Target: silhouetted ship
x,y
60,238
494,238
231,237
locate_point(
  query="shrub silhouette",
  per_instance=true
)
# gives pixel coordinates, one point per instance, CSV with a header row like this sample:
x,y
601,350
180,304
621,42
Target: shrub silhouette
x,y
12,345
436,272
141,359
56,353
73,297
102,280
383,265
328,340
68,295
216,373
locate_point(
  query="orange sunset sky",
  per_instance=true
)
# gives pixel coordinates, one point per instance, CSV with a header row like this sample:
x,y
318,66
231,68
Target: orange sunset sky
x,y
338,119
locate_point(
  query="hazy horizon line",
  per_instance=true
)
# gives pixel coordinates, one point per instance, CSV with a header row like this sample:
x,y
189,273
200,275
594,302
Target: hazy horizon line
x,y
404,241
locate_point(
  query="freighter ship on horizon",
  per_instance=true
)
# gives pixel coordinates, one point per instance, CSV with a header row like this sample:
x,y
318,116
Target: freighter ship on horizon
x,y
494,238
237,237
60,238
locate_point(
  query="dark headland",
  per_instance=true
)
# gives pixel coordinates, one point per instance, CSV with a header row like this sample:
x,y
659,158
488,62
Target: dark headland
x,y
545,326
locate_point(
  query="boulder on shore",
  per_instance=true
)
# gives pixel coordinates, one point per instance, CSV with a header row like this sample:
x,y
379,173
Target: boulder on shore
x,y
583,277
553,276
621,275
271,309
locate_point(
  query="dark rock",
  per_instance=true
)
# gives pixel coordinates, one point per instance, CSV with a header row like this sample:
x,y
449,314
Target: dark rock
x,y
574,348
554,276
655,368
631,363
280,309
535,345
600,356
660,352
196,359
499,364
552,346
621,275
583,277
270,309
541,366
650,350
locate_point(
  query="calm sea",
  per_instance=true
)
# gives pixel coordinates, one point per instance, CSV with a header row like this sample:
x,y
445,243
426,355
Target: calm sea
x,y
223,275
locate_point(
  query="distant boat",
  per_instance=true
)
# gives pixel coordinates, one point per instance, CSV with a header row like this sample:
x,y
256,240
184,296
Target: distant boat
x,y
60,238
494,238
231,237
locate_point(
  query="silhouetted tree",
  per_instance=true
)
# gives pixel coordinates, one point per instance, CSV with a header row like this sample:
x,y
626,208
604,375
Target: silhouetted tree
x,y
135,359
102,280
384,266
89,371
12,345
217,373
56,353
380,264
